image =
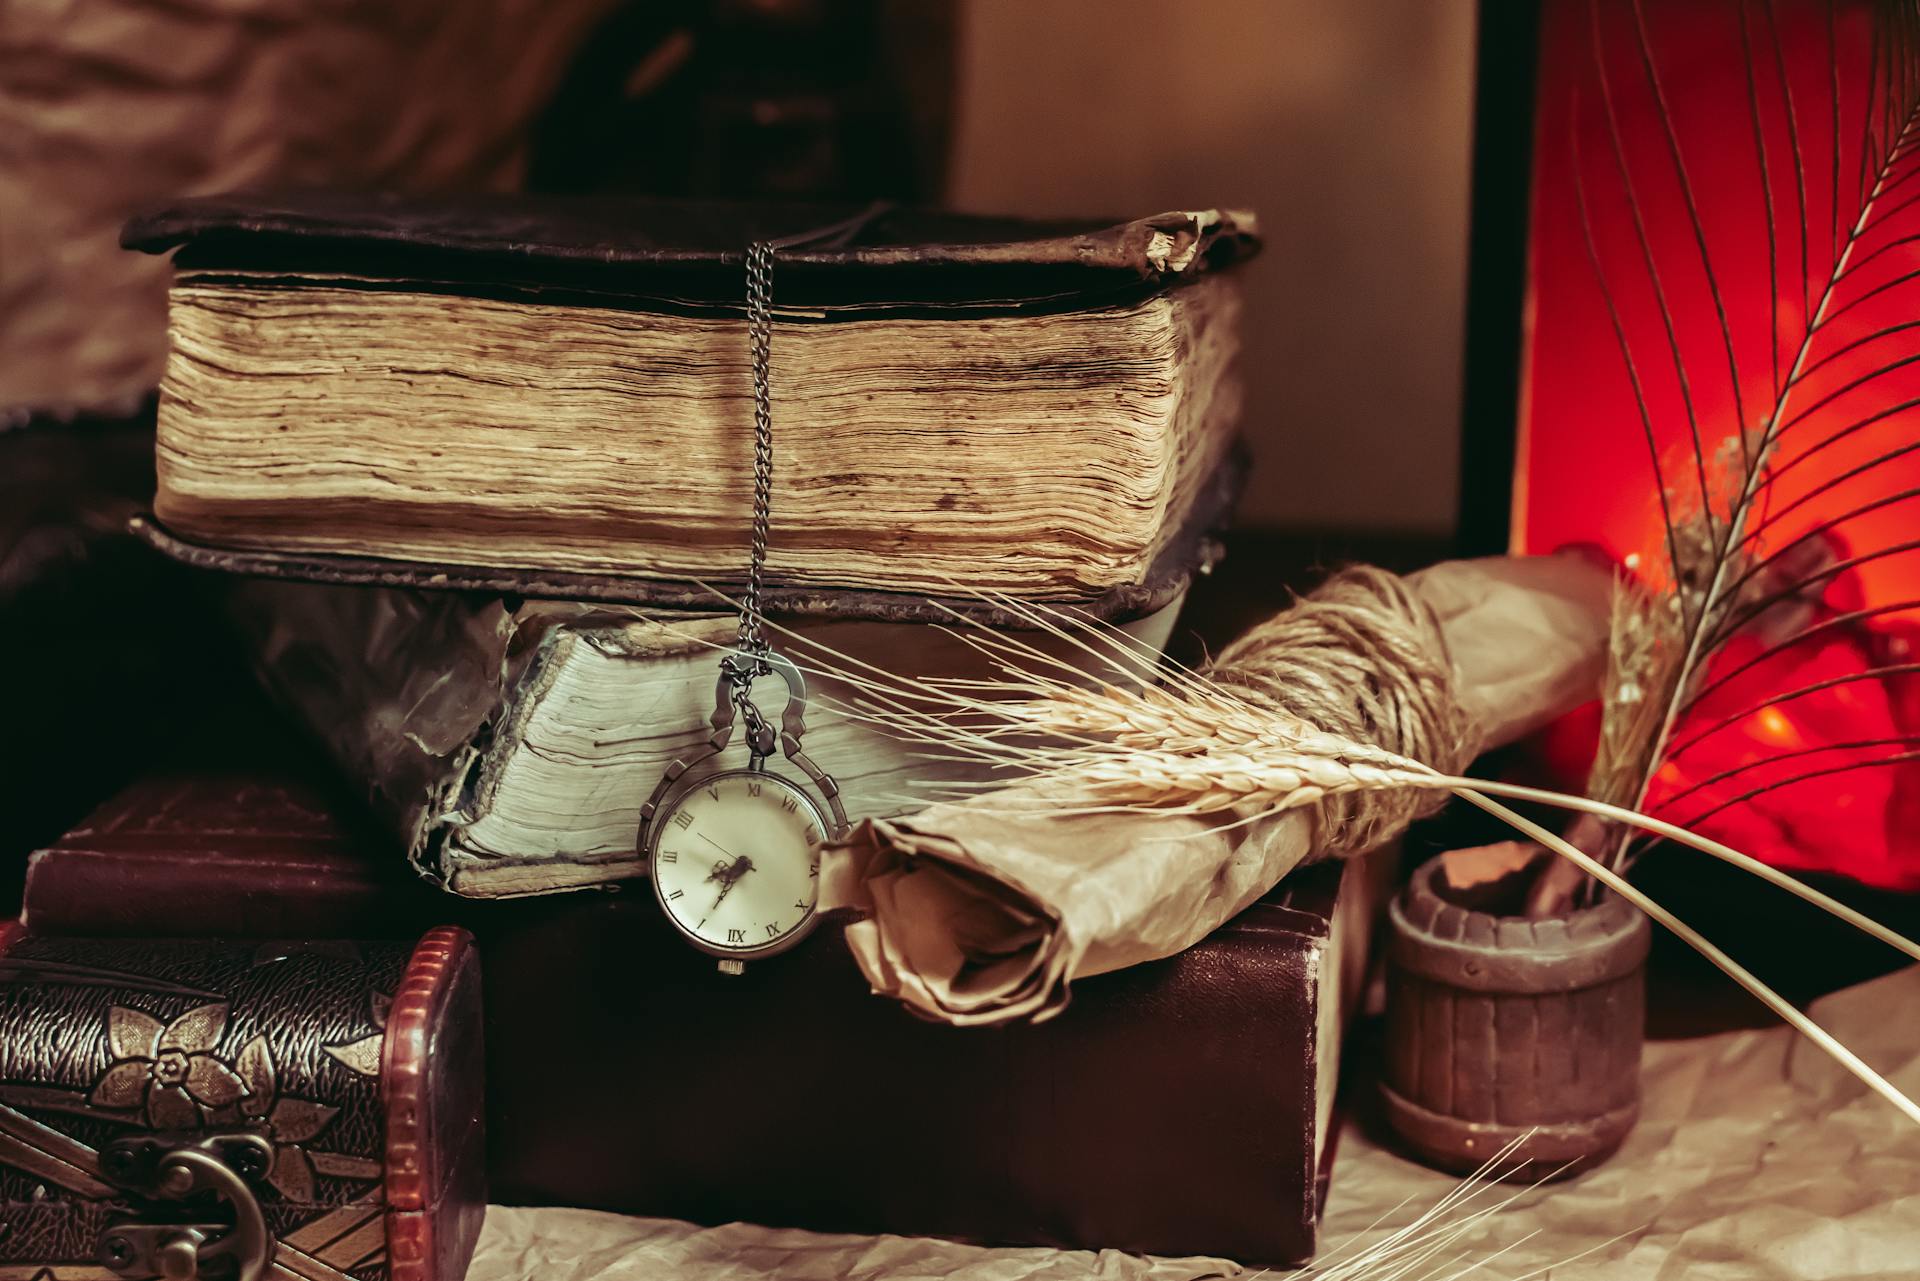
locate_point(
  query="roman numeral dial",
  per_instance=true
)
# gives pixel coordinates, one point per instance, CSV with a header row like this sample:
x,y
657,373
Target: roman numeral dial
x,y
741,876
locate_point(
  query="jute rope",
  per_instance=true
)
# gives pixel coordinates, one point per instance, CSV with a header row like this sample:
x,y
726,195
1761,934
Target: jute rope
x,y
1362,657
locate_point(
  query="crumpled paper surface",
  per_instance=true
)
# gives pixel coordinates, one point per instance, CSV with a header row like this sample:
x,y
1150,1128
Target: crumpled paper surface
x,y
586,1245
972,917
1756,1159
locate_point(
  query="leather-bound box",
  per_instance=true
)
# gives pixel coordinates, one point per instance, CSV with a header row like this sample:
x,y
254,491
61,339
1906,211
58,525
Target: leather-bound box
x,y
1180,1107
256,1111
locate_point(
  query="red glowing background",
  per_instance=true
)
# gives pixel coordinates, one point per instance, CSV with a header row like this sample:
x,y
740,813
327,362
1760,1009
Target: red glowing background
x,y
1726,210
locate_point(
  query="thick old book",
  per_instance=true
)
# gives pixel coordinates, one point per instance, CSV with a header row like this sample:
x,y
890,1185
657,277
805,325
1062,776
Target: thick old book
x,y
511,744
460,392
1178,1107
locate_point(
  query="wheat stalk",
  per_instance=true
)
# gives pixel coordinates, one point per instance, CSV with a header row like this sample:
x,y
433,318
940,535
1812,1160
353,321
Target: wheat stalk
x,y
1282,780
1243,772
1189,745
1198,747
1284,769
1423,1249
1273,780
1205,718
1643,642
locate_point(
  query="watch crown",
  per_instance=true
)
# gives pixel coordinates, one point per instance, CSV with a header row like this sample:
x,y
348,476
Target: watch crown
x,y
731,966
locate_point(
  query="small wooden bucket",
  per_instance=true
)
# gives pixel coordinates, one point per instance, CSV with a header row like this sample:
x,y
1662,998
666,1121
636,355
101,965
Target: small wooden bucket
x,y
1504,1029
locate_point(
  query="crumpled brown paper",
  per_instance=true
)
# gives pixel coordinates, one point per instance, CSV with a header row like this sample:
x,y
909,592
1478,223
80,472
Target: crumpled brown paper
x,y
1756,1159
972,915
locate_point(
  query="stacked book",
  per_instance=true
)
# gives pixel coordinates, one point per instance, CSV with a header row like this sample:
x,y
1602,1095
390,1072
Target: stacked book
x,y
543,412
479,479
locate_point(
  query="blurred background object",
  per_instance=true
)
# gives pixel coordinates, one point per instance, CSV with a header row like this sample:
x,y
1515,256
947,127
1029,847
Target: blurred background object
x,y
810,99
1347,127
110,105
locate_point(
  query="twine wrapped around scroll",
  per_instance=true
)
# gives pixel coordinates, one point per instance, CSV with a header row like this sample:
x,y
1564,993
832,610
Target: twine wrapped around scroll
x,y
1364,658
985,910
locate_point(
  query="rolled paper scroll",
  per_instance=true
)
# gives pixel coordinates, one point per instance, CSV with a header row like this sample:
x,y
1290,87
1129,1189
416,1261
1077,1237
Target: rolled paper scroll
x,y
982,911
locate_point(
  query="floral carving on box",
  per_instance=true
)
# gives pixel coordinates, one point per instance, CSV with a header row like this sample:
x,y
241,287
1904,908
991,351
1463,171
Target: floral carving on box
x,y
100,1040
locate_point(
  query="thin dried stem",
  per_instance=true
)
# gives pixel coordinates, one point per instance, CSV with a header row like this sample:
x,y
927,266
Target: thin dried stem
x,y
1693,938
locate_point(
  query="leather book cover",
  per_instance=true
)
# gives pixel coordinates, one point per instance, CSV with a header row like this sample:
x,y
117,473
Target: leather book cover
x,y
235,851
1179,1107
689,254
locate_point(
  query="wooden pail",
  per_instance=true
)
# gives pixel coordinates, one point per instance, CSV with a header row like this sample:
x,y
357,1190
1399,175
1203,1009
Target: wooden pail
x,y
1504,1029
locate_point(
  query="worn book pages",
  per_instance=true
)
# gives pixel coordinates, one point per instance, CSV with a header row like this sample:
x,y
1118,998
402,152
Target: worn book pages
x,y
391,397
474,431
973,914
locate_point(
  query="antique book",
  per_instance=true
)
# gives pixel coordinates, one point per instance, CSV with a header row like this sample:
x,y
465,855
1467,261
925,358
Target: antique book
x,y
373,385
186,1108
511,744
260,848
1184,1106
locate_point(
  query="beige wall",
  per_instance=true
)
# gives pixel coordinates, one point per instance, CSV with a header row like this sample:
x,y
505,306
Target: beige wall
x,y
1346,125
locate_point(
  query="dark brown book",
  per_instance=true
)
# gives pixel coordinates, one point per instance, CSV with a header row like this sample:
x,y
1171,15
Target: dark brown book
x,y
1180,1107
230,851
554,397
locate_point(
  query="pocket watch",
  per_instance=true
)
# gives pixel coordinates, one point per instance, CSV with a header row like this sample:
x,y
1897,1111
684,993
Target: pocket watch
x,y
734,854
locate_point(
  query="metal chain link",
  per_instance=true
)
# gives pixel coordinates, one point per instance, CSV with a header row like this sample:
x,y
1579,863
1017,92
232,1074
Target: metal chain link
x,y
753,648
760,339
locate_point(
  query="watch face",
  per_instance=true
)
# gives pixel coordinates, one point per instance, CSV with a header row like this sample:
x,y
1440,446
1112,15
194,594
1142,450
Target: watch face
x,y
736,862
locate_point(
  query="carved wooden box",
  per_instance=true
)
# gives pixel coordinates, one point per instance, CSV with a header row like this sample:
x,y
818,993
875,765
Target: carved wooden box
x,y
256,1112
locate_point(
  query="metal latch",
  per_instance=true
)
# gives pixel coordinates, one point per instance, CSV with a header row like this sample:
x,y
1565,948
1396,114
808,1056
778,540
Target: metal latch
x,y
177,1181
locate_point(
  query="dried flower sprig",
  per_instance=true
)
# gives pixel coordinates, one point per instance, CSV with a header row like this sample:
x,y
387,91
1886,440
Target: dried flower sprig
x,y
1761,469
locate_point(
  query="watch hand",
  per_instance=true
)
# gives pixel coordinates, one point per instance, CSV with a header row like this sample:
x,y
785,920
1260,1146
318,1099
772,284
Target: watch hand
x,y
728,873
726,888
716,844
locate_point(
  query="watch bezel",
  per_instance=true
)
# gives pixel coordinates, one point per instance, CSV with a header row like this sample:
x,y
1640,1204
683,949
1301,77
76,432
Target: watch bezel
x,y
672,803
